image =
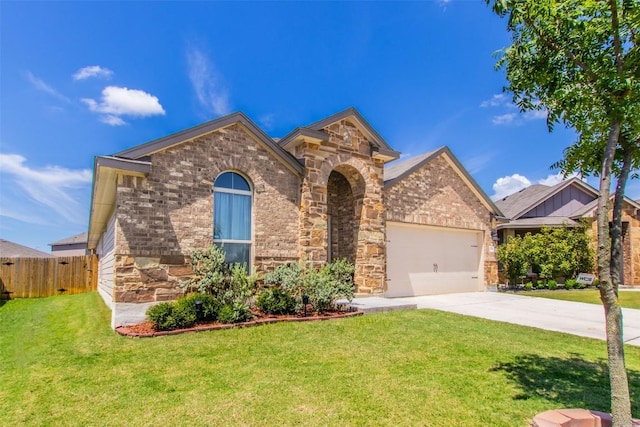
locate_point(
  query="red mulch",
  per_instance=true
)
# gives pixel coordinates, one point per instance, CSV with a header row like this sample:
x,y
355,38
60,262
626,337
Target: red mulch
x,y
146,329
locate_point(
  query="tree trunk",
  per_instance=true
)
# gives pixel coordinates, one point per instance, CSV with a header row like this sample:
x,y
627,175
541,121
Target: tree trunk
x,y
620,400
616,229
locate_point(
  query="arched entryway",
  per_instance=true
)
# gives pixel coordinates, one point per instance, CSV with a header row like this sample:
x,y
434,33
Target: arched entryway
x,y
345,192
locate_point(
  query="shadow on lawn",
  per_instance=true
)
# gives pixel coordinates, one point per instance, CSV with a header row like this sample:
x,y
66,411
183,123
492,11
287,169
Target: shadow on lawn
x,y
572,382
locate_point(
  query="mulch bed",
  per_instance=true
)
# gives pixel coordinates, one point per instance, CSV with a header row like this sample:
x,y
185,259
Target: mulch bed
x,y
146,329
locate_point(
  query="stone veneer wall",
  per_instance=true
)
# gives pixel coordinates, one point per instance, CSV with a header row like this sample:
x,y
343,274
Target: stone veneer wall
x,y
630,244
162,217
349,153
436,195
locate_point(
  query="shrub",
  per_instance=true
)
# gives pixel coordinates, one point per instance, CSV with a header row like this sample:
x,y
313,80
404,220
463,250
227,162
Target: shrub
x,y
161,315
184,313
276,301
513,256
528,286
210,305
234,313
226,314
167,316
229,284
552,285
323,285
580,285
596,283
570,284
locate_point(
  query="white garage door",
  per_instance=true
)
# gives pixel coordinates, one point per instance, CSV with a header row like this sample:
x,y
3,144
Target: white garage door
x,y
427,261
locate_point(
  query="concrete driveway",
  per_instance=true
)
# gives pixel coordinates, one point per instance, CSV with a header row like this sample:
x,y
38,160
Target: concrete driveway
x,y
575,318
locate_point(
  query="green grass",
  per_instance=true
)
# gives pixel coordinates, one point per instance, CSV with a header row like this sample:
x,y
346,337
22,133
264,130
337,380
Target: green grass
x,y
628,299
61,364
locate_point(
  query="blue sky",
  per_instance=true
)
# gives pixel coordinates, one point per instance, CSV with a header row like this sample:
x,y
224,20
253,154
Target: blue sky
x,y
80,79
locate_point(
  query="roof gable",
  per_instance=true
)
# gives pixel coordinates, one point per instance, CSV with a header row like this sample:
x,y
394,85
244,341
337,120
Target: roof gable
x,y
186,135
397,171
352,115
73,240
524,201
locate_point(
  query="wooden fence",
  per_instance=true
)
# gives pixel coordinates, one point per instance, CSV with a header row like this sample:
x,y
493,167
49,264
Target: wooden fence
x,y
43,277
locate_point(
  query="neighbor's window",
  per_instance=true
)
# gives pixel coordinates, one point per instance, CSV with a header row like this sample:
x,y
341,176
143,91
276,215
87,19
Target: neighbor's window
x,y
232,217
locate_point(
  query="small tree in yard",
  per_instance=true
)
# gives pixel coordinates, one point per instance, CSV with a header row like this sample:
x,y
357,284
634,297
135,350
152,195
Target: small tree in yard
x,y
514,258
579,61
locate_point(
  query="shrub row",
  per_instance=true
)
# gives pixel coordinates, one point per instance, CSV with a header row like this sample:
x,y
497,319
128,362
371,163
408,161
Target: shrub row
x,y
227,291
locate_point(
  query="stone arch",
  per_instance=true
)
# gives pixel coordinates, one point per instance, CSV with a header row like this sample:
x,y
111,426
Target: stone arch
x,y
341,161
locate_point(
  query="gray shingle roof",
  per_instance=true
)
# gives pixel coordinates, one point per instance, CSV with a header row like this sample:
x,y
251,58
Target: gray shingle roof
x,y
14,250
399,167
78,238
512,204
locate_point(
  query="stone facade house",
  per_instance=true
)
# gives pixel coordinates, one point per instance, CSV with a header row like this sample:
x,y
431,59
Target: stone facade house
x,y
330,190
566,204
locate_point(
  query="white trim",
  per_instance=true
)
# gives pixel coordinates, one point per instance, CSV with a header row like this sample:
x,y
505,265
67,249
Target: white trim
x,y
232,241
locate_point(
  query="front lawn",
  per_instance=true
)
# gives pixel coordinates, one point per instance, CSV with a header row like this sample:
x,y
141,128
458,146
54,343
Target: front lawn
x,y
628,299
61,364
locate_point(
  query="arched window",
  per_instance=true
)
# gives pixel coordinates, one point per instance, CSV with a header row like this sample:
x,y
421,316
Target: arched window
x,y
232,217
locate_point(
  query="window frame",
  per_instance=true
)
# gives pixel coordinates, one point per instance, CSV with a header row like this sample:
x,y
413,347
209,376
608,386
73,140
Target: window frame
x,y
227,190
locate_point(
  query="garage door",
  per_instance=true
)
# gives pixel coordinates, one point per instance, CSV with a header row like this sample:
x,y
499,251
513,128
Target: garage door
x,y
427,261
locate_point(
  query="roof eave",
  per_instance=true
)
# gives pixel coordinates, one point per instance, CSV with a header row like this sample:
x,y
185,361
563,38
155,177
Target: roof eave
x,y
103,194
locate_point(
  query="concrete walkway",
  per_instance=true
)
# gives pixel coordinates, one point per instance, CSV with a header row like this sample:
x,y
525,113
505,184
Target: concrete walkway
x,y
575,318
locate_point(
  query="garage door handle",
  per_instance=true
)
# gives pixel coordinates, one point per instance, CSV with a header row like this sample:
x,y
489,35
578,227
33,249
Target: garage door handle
x,y
474,277
435,267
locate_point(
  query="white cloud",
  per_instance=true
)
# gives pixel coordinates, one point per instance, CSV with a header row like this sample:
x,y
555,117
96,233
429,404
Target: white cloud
x,y
52,187
121,101
266,121
504,119
508,185
207,84
535,115
501,101
92,71
112,120
44,87
477,163
497,100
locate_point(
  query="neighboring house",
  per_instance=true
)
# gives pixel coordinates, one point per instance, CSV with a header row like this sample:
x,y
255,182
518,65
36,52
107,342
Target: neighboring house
x,y
565,204
323,192
71,246
14,250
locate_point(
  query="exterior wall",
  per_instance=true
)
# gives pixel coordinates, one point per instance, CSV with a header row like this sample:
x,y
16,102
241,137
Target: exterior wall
x,y
78,249
436,195
105,251
162,217
349,153
630,245
564,203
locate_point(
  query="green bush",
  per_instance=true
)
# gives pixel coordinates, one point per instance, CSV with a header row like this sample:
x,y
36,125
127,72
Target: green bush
x,y
570,284
184,313
323,285
528,286
161,315
234,313
276,301
167,316
210,305
596,283
552,285
229,284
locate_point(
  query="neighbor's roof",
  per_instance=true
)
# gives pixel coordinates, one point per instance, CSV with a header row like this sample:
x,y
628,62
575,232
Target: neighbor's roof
x,y
14,250
541,221
521,202
397,170
73,240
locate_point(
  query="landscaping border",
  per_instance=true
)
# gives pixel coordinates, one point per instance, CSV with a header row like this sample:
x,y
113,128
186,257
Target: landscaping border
x,y
202,328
